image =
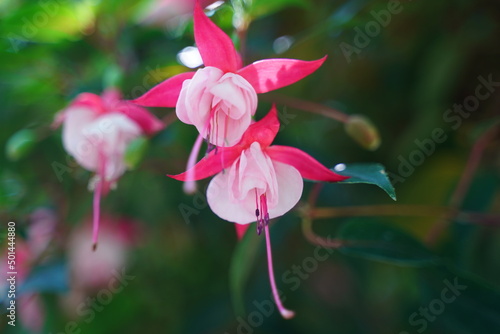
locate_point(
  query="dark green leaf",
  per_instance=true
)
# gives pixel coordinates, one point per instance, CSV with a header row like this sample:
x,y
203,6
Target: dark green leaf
x,y
371,173
373,240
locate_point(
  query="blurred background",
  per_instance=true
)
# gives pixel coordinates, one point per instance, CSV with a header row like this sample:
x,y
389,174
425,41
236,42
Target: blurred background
x,y
425,73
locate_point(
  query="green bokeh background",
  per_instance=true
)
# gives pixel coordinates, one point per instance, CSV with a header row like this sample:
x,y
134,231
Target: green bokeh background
x,y
428,57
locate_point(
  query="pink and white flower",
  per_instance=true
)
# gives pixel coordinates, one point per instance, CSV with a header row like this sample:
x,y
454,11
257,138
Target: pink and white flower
x,y
221,98
255,181
96,132
31,312
40,232
260,181
91,271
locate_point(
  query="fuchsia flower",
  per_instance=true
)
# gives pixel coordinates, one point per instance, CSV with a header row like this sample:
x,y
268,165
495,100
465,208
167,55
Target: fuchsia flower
x,y
31,312
221,98
92,271
96,132
40,232
257,182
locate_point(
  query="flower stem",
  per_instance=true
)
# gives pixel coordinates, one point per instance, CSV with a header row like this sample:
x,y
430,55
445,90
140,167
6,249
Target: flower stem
x,y
97,212
308,106
285,313
316,239
458,196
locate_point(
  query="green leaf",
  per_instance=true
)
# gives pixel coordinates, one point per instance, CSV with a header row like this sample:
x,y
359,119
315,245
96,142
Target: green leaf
x,y
370,173
135,151
373,240
12,190
49,22
473,303
20,144
241,266
260,8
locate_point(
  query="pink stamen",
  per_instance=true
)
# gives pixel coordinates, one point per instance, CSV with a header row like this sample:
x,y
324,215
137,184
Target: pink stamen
x,y
101,173
97,212
216,127
285,313
189,186
208,129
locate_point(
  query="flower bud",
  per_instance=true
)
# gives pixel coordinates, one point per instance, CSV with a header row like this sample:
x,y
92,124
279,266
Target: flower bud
x,y
363,131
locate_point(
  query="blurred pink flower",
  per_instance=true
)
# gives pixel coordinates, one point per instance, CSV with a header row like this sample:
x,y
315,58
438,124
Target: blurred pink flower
x,y
96,132
90,270
262,181
93,269
221,98
170,12
31,312
41,230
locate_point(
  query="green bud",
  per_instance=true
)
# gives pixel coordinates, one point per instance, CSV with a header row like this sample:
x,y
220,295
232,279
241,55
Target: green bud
x,y
363,131
20,144
135,151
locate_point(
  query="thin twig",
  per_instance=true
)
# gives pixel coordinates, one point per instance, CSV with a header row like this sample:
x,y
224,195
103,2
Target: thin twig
x,y
379,210
316,239
405,211
463,185
308,106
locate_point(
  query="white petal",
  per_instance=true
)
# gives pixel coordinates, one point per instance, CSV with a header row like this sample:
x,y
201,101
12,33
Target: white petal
x,y
232,194
74,141
290,186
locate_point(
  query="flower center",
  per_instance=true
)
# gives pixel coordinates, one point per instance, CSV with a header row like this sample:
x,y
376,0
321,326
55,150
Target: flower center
x,y
261,211
212,128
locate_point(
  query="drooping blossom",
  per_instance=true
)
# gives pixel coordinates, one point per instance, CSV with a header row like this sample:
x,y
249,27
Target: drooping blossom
x,y
42,228
96,132
255,181
93,269
90,270
40,232
31,313
221,98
